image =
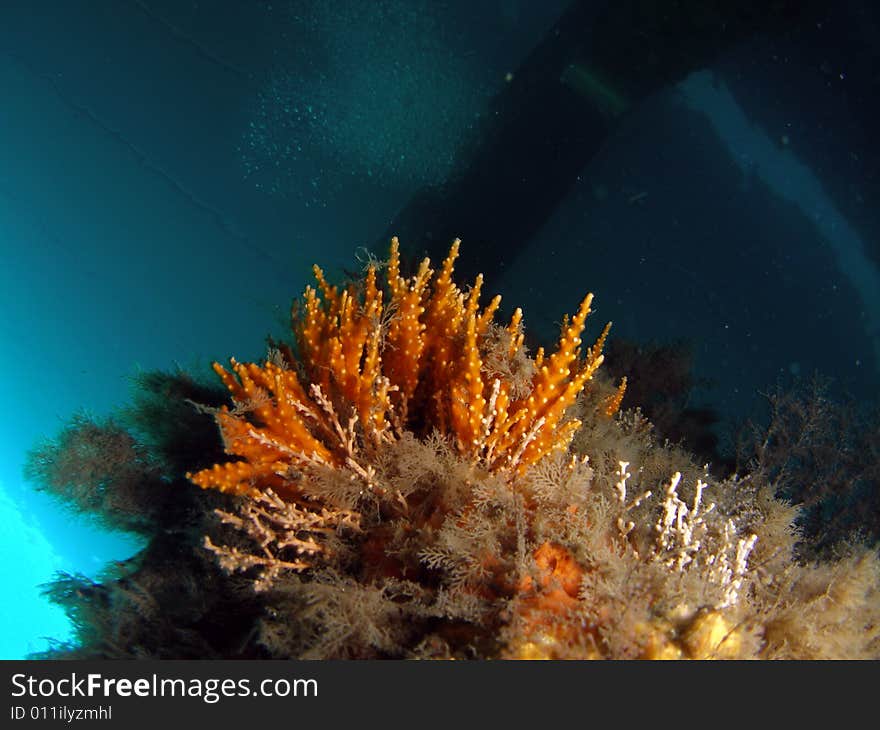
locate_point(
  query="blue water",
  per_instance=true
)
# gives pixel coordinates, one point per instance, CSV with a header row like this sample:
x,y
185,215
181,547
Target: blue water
x,y
169,171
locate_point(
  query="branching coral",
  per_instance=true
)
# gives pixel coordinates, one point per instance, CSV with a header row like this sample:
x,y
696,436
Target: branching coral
x,y
366,372
406,481
409,482
374,370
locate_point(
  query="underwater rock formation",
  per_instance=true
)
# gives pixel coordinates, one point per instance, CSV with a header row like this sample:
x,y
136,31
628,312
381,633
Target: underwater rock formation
x,y
404,480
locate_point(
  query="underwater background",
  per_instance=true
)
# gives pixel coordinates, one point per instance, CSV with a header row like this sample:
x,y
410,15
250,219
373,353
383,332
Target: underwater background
x,y
171,170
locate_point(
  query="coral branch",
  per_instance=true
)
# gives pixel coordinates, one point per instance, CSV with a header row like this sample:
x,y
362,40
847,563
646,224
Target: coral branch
x,y
370,364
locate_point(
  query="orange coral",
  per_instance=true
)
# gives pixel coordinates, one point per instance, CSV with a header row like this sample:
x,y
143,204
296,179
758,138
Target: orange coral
x,y
558,571
369,370
544,603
